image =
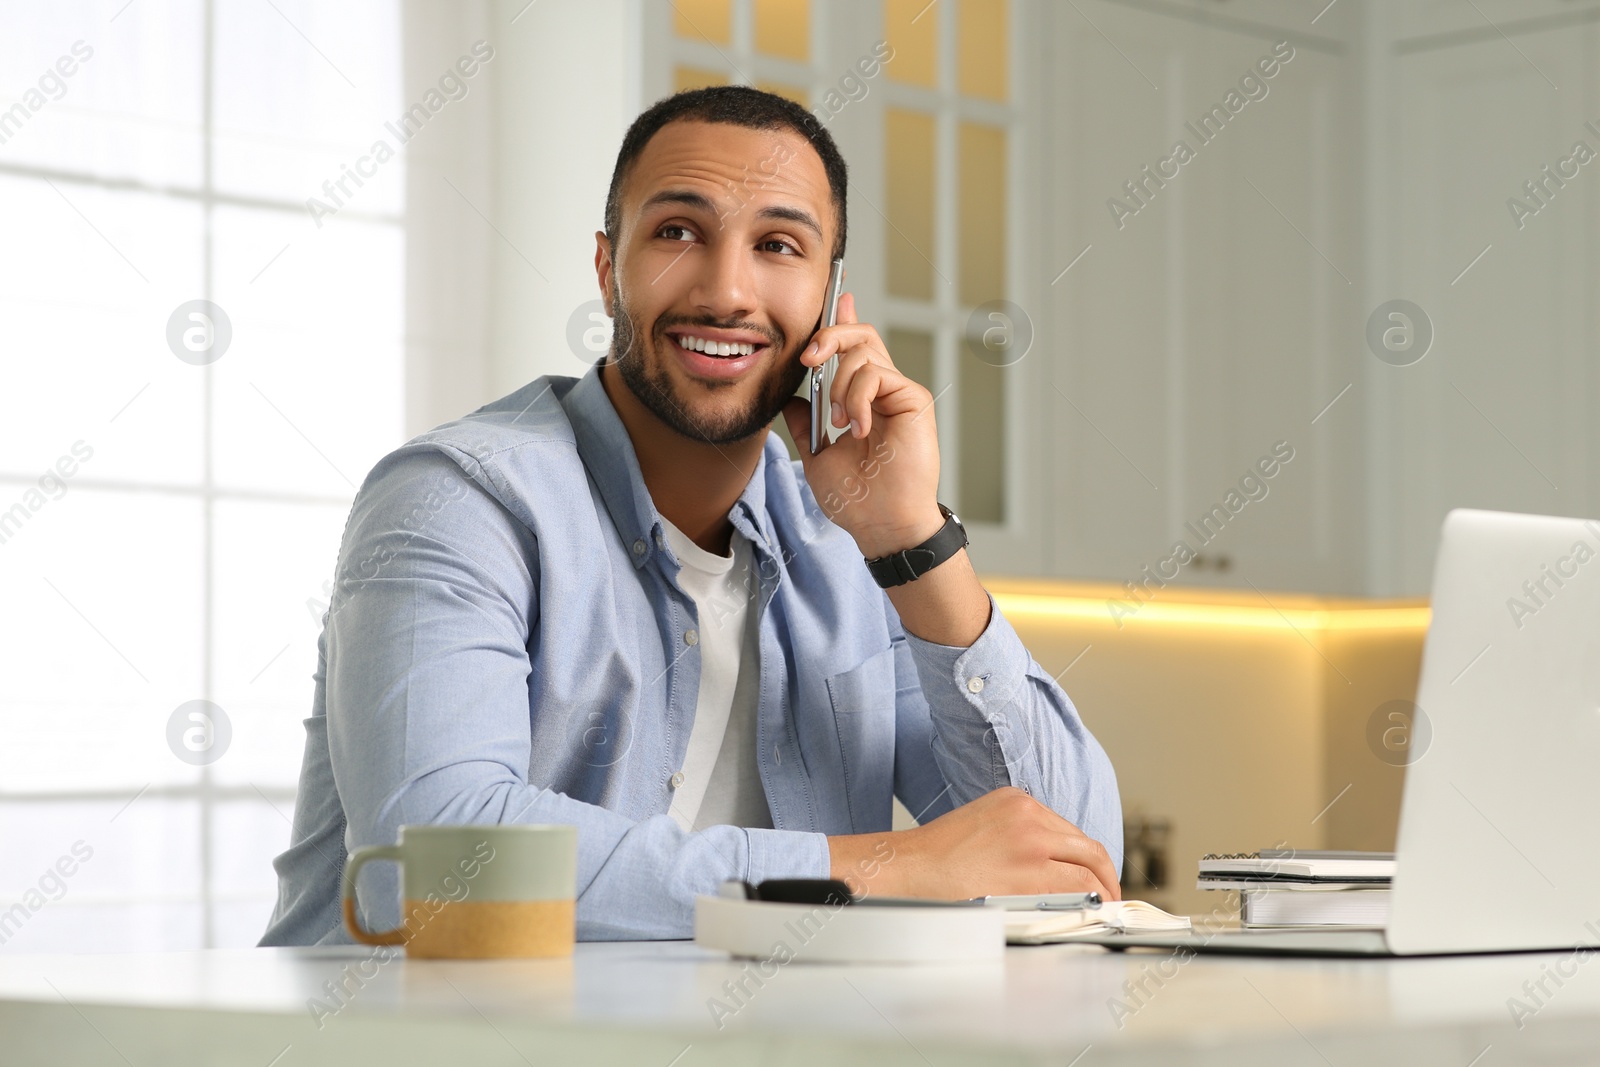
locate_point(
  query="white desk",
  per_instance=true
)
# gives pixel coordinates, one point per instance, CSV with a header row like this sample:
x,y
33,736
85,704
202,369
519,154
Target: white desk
x,y
646,1004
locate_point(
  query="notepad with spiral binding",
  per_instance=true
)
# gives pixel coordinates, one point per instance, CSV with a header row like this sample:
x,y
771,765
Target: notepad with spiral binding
x,y
1299,865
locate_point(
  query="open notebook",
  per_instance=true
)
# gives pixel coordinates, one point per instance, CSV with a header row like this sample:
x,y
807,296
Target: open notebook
x,y
1125,916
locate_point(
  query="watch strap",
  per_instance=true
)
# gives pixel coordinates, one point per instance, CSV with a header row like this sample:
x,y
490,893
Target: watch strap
x,y
908,565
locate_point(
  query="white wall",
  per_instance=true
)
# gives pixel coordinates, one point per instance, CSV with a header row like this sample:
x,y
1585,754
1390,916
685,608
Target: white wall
x,y
448,246
502,253
567,91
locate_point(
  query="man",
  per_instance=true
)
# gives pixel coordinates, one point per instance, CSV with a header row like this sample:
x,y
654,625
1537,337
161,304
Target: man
x,y
614,602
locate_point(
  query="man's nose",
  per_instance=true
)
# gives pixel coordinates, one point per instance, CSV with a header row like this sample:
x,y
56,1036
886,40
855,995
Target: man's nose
x,y
725,289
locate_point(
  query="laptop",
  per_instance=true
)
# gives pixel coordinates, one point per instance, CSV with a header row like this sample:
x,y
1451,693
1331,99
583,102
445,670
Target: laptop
x,y
1495,849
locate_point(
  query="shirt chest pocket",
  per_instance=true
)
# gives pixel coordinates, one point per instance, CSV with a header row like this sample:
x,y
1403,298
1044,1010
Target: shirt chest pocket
x,y
863,701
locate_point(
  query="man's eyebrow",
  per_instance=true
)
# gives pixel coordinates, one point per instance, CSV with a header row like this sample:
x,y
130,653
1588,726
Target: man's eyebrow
x,y
791,214
700,202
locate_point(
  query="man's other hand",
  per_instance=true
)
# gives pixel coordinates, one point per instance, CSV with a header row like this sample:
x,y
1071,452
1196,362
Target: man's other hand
x,y
1003,843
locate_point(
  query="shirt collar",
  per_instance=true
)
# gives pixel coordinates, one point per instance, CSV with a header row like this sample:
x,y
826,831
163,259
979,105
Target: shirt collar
x,y
749,513
607,452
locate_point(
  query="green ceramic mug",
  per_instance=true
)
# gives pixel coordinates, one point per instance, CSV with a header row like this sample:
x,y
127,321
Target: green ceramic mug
x,y
477,892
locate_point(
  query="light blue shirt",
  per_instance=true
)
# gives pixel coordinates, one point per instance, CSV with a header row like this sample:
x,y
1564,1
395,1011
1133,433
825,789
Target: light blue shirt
x,y
507,642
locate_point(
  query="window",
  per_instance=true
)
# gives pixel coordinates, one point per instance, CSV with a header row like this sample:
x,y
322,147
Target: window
x,y
201,309
947,135
767,43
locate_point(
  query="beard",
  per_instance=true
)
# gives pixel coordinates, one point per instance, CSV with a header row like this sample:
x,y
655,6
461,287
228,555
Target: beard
x,y
648,381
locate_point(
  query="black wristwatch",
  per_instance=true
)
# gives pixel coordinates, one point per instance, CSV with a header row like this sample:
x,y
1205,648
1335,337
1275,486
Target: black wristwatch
x,y
911,564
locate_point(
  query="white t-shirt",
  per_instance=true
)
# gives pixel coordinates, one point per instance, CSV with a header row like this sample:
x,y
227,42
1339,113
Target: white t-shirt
x,y
721,780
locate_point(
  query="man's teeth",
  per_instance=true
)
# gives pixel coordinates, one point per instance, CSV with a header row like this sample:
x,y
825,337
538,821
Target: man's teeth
x,y
715,348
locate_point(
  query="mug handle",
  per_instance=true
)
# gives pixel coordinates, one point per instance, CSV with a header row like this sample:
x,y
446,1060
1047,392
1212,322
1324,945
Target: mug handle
x,y
358,859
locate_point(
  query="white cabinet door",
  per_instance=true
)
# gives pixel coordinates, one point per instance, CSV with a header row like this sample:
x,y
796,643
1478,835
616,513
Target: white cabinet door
x,y
1200,333
1500,413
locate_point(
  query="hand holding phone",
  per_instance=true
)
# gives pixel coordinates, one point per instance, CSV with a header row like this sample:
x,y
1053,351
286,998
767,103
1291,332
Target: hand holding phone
x,y
822,376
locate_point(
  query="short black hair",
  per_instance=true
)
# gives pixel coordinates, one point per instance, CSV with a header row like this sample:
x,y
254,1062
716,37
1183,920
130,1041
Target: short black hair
x,y
733,105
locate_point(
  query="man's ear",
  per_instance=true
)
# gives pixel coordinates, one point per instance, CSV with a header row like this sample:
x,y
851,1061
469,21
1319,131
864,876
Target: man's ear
x,y
603,266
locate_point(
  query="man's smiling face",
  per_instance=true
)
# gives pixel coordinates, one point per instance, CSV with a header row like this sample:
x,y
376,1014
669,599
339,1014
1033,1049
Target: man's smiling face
x,y
717,280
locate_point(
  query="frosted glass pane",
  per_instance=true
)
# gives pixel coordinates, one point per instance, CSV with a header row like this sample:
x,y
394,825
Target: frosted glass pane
x,y
912,352
148,847
982,198
908,196
696,78
112,98
273,563
783,28
40,834
981,439
294,102
308,397
111,926
703,20
912,29
245,836
85,335
136,890
982,35
104,605
790,92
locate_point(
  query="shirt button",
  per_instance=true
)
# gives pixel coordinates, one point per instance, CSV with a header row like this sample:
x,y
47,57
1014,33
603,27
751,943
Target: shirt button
x,y
661,539
974,685
691,637
676,780
639,547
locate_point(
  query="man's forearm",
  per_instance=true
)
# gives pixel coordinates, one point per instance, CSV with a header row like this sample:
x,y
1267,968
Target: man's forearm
x,y
946,606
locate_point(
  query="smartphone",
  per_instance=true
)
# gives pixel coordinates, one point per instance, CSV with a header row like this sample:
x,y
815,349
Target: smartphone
x,y
822,377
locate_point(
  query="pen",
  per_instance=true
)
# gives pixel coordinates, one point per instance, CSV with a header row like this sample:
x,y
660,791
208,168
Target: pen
x,y
813,891
822,376
1043,902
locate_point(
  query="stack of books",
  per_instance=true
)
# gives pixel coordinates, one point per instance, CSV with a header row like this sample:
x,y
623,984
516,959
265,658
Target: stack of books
x,y
1299,887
